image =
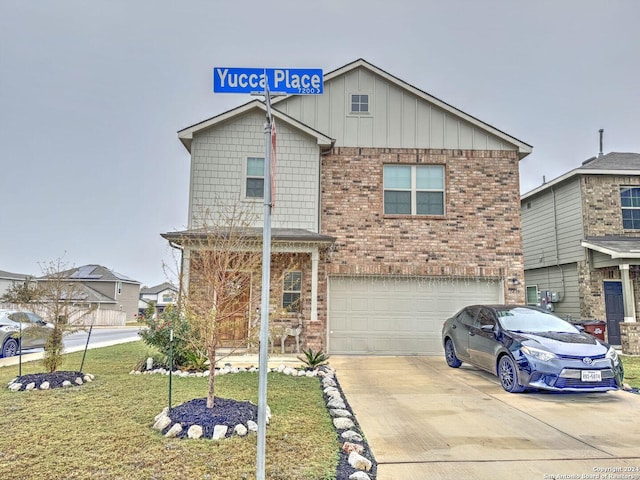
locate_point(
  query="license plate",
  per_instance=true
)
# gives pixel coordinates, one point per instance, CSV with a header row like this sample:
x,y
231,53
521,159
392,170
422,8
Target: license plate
x,y
591,376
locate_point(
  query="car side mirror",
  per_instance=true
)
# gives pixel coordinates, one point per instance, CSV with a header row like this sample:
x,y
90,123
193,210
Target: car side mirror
x,y
487,328
579,327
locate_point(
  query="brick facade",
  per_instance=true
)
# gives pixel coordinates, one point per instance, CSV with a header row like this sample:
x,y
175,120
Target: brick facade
x,y
478,237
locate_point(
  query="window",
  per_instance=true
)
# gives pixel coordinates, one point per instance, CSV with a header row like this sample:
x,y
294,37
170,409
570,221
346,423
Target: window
x,y
630,201
413,189
532,295
359,103
291,291
255,177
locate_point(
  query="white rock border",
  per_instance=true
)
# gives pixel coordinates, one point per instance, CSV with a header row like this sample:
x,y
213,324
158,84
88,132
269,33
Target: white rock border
x,y
15,386
353,442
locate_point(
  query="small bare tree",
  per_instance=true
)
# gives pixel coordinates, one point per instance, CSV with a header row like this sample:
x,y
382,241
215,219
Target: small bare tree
x,y
225,261
64,303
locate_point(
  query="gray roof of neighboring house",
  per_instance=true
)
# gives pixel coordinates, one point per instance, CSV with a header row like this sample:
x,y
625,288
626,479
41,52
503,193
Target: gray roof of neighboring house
x,y
614,245
94,273
157,289
613,163
12,276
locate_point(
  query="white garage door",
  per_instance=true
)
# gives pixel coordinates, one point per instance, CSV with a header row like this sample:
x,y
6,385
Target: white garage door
x,y
397,316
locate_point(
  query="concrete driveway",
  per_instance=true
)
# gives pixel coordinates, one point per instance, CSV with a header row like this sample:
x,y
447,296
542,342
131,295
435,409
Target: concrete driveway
x,y
424,420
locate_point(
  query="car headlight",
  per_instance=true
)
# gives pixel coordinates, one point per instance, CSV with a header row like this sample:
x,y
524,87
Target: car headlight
x,y
613,355
537,353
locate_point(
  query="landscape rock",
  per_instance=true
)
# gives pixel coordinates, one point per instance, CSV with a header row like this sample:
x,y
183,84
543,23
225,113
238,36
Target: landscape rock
x,y
44,386
79,381
339,412
352,436
219,432
352,447
359,462
174,431
161,423
342,423
30,386
359,476
66,384
165,412
14,387
195,431
240,430
87,379
336,403
252,426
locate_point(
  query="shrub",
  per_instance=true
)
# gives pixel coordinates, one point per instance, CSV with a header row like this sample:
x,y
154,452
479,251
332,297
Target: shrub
x,y
159,333
313,359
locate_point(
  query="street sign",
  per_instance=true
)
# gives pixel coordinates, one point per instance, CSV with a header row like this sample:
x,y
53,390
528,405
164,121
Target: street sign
x,y
297,81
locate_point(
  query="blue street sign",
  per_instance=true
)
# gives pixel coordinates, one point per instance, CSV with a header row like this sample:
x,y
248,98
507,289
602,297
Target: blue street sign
x,y
298,81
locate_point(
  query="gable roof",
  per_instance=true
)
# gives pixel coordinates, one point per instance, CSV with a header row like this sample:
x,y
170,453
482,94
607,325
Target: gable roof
x,y
186,134
12,276
613,163
96,273
157,289
524,149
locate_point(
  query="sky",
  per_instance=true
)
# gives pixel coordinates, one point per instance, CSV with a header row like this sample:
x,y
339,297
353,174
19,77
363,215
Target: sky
x,y
92,94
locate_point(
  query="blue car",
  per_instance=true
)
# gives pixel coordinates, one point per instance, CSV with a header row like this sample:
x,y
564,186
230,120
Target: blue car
x,y
530,348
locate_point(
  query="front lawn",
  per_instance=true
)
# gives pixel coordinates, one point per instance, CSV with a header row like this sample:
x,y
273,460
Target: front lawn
x,y
101,430
631,370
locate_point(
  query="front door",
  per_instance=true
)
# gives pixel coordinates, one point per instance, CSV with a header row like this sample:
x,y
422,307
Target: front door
x,y
234,330
614,307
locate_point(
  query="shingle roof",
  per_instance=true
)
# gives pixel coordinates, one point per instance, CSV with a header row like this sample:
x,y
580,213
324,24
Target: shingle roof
x,y
614,245
12,276
277,235
157,289
95,273
614,161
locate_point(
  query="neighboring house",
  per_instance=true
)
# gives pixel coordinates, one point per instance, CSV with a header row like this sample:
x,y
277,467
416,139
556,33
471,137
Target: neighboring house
x,y
398,208
161,295
581,240
106,289
7,279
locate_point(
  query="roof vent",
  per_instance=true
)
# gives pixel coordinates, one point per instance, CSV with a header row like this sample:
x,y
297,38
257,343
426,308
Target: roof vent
x,y
601,135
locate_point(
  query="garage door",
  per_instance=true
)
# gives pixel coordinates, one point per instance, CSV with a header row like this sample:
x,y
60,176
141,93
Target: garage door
x,y
397,316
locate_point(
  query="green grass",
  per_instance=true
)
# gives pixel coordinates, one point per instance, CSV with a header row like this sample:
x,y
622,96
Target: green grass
x,y
101,430
631,370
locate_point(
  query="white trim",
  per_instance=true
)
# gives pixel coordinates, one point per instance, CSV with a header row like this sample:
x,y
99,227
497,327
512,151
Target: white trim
x,y
186,135
576,172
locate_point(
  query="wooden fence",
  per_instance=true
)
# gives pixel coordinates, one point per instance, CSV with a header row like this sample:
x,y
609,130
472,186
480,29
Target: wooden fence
x,y
104,318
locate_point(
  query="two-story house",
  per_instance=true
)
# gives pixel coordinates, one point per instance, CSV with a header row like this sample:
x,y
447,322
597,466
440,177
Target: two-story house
x,y
104,288
161,296
398,208
581,240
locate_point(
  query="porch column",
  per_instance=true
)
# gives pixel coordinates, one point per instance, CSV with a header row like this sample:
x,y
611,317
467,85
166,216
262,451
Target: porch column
x,y
627,294
315,258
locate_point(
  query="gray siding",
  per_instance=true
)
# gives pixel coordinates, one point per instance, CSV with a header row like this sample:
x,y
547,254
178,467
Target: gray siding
x,y
396,118
542,246
218,168
563,280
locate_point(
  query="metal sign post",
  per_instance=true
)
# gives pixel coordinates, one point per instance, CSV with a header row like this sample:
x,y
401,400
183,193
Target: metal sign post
x,y
266,81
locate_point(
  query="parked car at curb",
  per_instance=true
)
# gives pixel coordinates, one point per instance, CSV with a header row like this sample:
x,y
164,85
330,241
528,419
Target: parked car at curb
x,y
530,348
21,327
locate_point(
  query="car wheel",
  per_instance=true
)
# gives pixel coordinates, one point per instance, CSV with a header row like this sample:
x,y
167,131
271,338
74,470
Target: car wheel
x,y
450,354
509,375
10,348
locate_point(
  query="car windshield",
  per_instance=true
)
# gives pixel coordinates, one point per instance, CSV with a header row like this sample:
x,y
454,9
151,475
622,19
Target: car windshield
x,y
530,320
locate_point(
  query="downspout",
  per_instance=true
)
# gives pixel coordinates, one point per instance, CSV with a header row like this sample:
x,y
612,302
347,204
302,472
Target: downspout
x,y
555,230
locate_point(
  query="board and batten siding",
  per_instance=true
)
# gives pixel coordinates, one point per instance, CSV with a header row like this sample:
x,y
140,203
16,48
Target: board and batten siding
x,y
397,117
543,246
562,279
218,169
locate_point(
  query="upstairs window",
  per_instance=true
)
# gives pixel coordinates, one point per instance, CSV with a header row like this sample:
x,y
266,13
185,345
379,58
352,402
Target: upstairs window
x,y
413,189
291,291
359,103
630,201
255,177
